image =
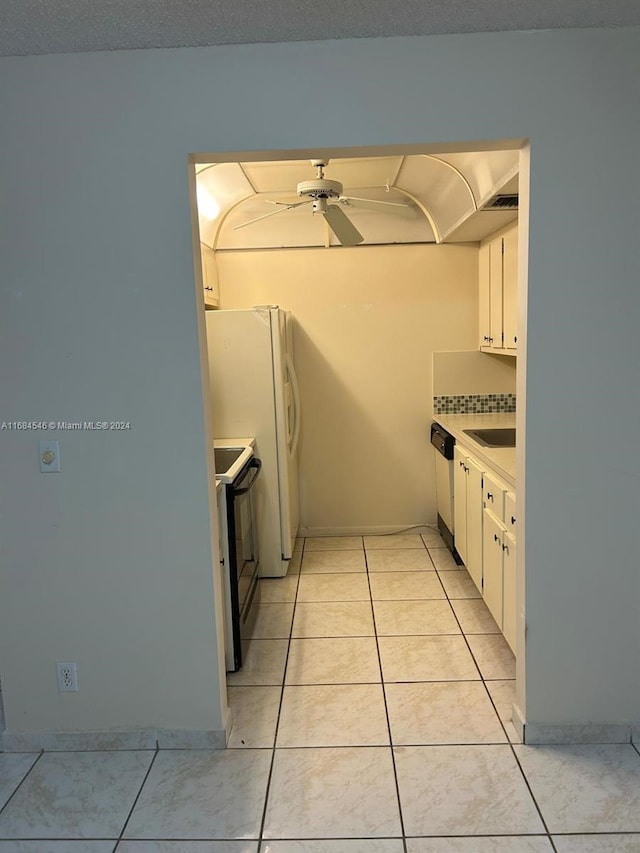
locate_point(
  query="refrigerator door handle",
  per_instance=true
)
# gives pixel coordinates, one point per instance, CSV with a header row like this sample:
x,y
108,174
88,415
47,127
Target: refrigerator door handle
x,y
293,444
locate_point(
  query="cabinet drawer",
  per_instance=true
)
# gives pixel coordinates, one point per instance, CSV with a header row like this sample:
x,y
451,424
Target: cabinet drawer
x,y
510,512
493,493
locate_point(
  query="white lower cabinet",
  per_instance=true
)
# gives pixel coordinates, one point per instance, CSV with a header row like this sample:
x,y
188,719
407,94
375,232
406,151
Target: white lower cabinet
x,y
467,485
485,536
460,501
474,522
509,551
510,513
492,591
493,494
499,562
509,590
499,573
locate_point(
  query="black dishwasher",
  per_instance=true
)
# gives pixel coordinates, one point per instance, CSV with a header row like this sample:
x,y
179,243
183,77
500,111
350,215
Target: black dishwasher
x,y
443,443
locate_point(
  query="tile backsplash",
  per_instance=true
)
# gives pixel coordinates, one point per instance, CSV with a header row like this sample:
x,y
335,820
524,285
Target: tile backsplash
x,y
463,404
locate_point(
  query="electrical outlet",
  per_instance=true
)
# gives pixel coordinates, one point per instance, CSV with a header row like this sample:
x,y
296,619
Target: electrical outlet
x,y
67,672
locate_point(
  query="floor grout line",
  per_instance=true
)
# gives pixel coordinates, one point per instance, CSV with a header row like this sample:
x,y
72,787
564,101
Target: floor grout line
x,y
386,712
275,733
538,809
137,797
260,841
504,728
23,780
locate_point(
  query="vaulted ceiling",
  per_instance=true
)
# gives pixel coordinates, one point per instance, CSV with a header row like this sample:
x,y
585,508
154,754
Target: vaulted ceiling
x,y
407,198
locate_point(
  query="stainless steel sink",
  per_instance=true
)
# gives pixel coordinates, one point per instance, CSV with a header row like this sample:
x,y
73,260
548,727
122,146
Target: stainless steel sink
x,y
497,437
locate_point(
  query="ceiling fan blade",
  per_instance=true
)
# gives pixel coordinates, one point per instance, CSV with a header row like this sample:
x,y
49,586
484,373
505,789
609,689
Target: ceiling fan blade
x,y
373,201
281,209
342,226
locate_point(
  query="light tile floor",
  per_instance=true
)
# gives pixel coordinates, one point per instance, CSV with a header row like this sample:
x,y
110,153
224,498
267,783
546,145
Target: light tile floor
x,y
372,716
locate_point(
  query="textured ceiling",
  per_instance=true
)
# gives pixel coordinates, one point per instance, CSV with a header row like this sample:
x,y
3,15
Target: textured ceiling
x,y
69,26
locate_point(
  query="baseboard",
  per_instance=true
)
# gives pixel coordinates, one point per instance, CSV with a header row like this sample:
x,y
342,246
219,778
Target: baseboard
x,y
362,530
137,739
228,725
192,739
568,733
517,718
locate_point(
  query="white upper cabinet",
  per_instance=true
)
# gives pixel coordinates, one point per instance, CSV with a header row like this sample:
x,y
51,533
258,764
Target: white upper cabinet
x,y
498,283
209,276
510,290
484,298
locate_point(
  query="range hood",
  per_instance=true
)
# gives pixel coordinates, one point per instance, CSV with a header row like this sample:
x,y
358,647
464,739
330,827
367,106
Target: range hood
x,y
414,198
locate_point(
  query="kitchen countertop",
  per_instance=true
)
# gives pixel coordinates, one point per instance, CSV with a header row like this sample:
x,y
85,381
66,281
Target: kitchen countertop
x,y
500,459
234,442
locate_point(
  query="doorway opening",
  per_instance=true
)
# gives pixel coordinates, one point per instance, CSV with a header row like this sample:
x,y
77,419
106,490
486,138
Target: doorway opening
x,y
388,327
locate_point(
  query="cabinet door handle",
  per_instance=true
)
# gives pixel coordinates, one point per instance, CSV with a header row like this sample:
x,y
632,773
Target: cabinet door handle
x,y
461,464
513,519
489,496
496,538
505,548
486,338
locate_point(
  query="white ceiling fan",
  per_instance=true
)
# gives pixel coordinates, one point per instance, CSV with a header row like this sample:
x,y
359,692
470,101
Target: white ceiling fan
x,y
317,193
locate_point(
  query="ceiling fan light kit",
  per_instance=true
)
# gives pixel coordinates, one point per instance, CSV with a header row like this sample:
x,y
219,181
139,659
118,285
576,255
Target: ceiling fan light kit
x,y
322,187
318,192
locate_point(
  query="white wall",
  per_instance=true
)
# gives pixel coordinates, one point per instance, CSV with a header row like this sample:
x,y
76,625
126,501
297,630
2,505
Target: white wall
x,y
367,322
98,319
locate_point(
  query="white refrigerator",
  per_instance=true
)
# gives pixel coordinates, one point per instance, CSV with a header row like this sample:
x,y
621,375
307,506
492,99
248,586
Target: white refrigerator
x,y
255,393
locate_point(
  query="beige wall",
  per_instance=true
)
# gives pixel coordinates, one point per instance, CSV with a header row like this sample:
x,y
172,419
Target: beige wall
x,y
473,372
368,322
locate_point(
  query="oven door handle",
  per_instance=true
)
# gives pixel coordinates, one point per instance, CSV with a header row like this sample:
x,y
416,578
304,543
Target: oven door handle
x,y
257,465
